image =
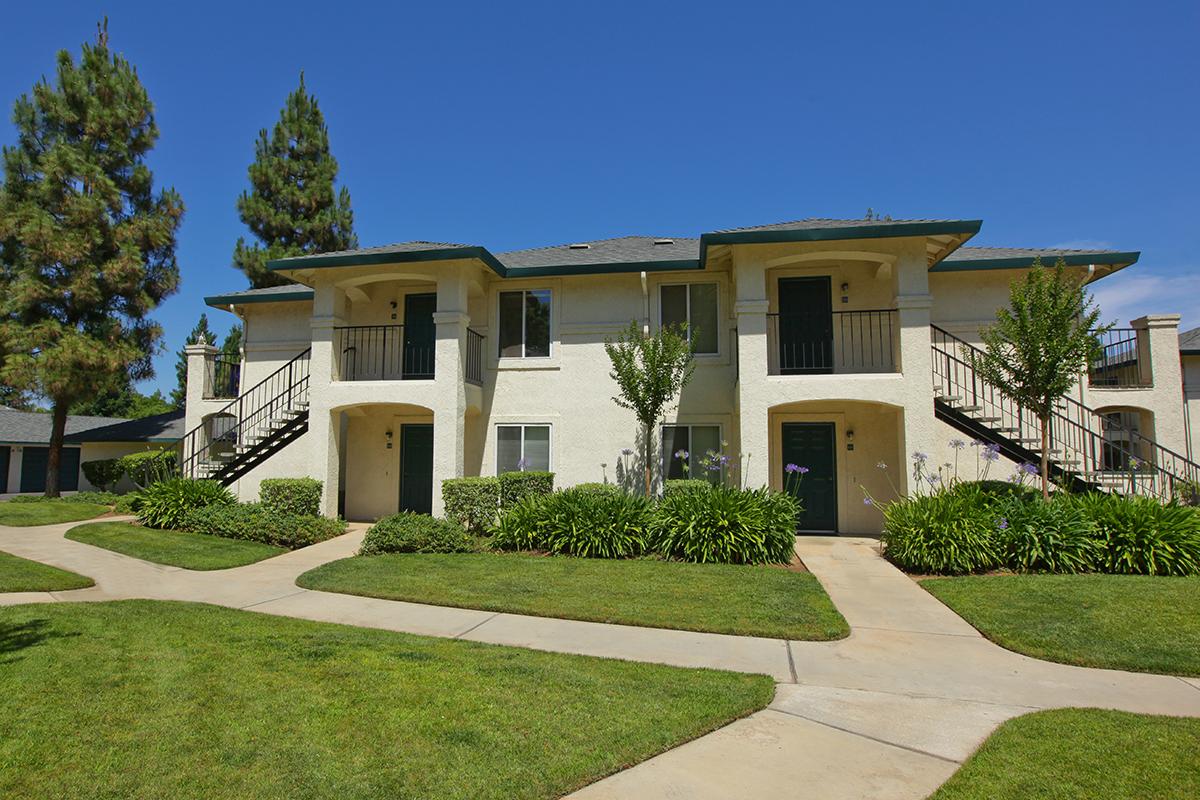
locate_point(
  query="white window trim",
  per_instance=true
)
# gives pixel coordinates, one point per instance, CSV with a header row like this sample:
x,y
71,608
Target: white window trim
x,y
523,426
524,337
688,297
666,457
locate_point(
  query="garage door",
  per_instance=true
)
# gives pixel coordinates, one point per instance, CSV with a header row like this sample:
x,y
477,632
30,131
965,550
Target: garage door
x,y
33,469
5,454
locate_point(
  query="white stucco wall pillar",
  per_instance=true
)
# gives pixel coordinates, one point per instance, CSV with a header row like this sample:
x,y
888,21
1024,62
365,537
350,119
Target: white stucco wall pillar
x,y
754,432
450,406
329,303
200,365
910,281
1159,333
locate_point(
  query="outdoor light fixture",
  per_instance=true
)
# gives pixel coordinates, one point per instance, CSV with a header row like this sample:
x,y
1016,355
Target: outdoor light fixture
x,y
845,293
849,439
388,435
393,305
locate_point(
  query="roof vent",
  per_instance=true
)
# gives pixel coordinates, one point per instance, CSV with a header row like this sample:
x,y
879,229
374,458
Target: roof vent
x,y
664,241
580,246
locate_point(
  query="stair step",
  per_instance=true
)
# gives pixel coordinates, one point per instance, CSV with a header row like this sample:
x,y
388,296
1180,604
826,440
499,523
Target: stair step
x,y
970,409
949,398
1006,430
988,420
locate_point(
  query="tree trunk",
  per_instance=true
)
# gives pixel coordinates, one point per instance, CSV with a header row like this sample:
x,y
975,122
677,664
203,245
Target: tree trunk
x,y
646,455
1045,470
58,427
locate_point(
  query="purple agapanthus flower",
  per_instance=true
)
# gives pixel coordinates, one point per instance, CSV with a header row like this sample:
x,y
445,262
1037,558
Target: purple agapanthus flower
x,y
868,501
792,468
1002,524
1029,469
991,455
919,456
681,454
957,444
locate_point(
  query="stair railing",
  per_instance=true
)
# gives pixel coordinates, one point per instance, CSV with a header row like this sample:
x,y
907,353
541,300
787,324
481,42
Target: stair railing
x,y
1083,443
246,419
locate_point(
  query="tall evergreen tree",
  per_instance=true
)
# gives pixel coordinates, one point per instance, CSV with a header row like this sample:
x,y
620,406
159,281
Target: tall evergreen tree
x,y
179,393
292,208
231,345
87,244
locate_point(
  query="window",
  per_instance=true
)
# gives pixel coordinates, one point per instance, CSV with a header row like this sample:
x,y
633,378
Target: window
x,y
694,305
695,440
522,447
525,324
1119,447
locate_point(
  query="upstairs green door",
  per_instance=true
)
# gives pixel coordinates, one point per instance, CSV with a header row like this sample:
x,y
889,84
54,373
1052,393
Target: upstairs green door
x,y
805,326
416,468
419,336
811,444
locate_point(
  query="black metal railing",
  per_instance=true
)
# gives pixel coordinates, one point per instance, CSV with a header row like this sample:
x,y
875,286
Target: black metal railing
x,y
227,436
474,359
226,378
1085,444
384,352
1119,362
839,342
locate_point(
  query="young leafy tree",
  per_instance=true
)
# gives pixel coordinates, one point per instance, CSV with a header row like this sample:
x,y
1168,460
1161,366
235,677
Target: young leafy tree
x,y
649,370
291,207
179,393
1039,346
87,244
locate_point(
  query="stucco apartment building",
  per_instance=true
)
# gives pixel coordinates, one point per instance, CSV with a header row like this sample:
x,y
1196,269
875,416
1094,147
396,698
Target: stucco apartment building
x,y
840,345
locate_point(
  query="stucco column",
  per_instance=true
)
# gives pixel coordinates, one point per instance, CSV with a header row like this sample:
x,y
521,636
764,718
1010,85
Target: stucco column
x,y
1159,334
754,433
910,282
450,408
323,423
200,365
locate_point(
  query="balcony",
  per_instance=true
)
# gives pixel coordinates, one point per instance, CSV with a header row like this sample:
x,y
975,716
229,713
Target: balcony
x,y
224,378
1119,364
397,353
839,342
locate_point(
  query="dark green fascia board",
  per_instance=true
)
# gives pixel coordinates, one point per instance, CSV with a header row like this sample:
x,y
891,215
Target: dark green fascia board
x,y
1120,260
222,300
1189,352
895,230
605,269
368,259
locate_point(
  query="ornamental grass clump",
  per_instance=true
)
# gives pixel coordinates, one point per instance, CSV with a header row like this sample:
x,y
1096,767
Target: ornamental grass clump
x,y
1034,535
164,504
726,526
577,522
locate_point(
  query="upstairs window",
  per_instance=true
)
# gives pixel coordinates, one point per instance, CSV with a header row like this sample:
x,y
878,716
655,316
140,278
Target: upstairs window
x,y
521,448
694,305
525,324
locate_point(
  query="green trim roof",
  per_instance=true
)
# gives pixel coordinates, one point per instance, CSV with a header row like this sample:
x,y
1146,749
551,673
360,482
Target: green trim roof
x,y
270,294
823,230
980,258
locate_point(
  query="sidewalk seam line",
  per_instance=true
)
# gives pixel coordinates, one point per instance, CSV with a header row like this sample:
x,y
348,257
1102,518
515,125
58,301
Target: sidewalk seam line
x,y
478,625
1186,683
865,736
791,661
920,696
973,635
273,599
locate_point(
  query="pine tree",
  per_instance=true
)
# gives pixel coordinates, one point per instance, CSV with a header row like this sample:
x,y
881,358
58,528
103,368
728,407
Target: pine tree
x,y
231,346
87,246
179,393
291,207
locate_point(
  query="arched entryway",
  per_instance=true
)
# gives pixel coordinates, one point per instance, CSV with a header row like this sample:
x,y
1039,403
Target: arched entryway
x,y
386,457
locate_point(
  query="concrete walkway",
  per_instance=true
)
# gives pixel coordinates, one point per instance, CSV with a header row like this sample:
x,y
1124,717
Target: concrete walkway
x,y
891,711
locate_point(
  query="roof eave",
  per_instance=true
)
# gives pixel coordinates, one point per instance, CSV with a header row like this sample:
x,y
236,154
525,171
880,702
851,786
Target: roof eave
x,y
1116,261
227,301
607,268
292,266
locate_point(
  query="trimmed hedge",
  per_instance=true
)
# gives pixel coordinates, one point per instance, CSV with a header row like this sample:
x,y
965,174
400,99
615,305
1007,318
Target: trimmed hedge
x,y
407,532
103,472
293,496
577,522
255,523
598,488
726,525
515,486
472,502
685,485
164,504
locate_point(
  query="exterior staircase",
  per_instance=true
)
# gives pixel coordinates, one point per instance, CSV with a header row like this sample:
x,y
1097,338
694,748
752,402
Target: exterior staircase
x,y
1087,450
258,423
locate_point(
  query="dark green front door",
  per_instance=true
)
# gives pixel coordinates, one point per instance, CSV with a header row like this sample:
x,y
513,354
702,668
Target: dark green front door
x,y
5,452
805,326
416,468
419,336
811,444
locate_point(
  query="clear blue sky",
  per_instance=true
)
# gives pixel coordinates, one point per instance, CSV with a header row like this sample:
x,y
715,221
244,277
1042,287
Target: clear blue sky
x,y
528,124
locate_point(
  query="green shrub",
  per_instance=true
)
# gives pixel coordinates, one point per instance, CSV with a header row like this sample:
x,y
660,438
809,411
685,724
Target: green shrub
x,y
514,486
598,488
293,496
1037,536
99,498
998,491
685,485
471,502
1142,536
948,532
254,522
577,522
726,525
163,504
149,466
103,472
407,532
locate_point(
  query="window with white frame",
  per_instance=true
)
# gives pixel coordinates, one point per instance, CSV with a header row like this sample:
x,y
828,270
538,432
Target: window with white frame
x,y
694,305
525,324
522,448
689,451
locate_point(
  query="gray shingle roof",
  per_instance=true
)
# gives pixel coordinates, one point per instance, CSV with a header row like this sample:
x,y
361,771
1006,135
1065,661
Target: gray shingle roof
x,y
1190,340
32,427
159,428
621,250
398,247
820,223
989,253
271,294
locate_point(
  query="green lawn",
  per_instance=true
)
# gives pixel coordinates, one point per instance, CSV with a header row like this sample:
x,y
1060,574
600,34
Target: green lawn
x,y
151,699
1134,622
175,548
1083,754
47,512
22,575
718,598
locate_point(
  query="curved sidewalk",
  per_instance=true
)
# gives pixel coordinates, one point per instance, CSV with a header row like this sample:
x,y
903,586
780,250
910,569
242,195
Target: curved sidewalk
x,y
890,711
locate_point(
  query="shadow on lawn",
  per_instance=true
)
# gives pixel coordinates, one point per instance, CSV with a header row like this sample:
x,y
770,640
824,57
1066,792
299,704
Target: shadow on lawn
x,y
14,638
